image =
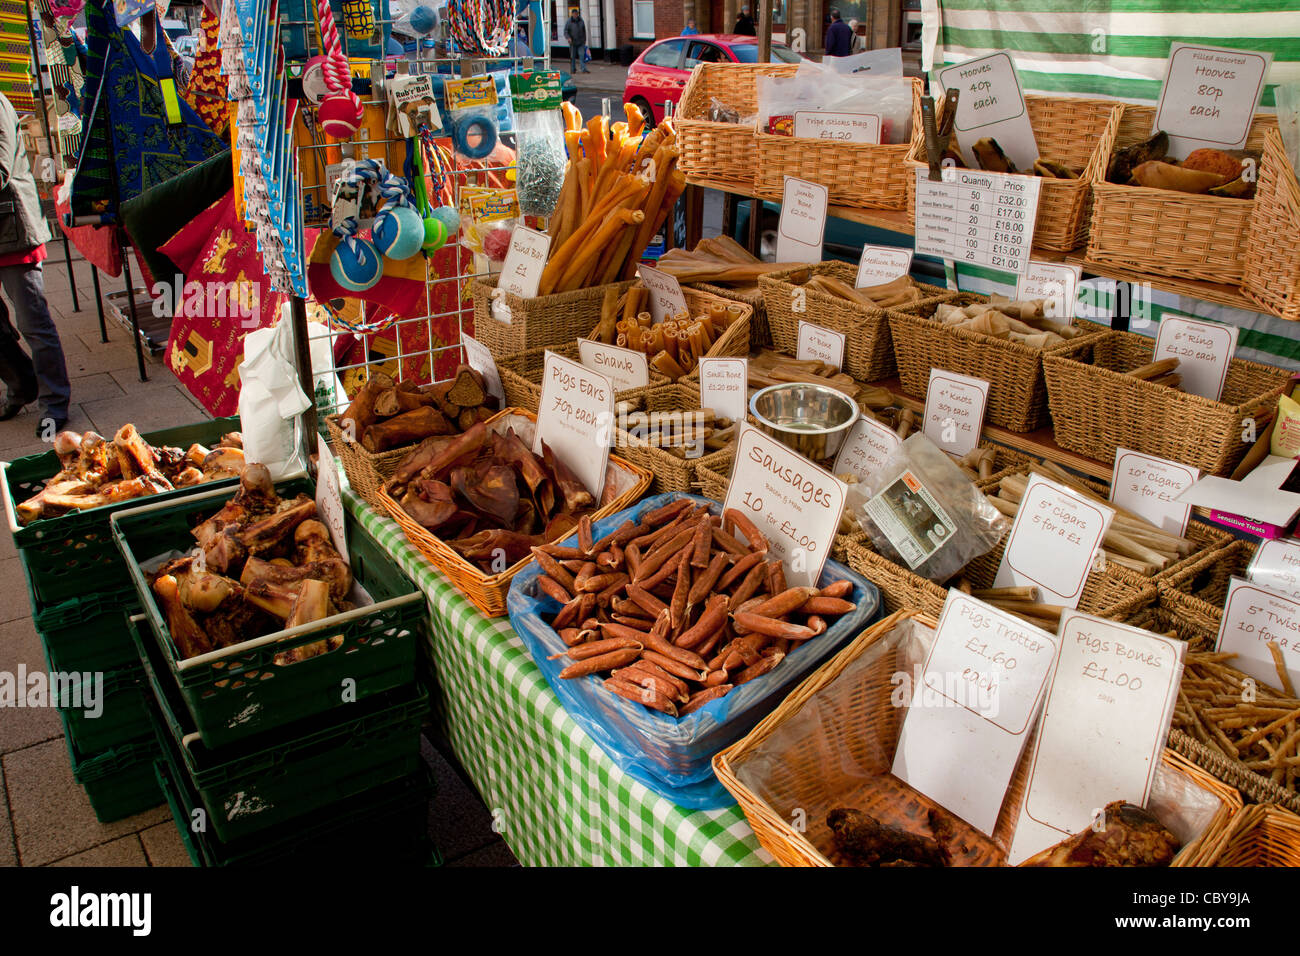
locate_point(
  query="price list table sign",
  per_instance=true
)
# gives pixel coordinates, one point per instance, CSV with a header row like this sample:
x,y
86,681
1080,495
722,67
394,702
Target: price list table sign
x,y
977,217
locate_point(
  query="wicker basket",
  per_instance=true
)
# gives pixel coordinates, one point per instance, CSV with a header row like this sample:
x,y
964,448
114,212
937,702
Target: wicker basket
x,y
836,768
1017,394
1207,578
723,153
1097,409
521,379
862,175
1077,132
1259,835
624,484
671,473
1168,233
760,335
1272,263
868,347
366,470
538,322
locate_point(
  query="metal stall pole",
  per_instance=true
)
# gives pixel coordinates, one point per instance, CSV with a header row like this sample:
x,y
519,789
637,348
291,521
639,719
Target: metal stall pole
x,y
125,250
99,303
49,143
764,56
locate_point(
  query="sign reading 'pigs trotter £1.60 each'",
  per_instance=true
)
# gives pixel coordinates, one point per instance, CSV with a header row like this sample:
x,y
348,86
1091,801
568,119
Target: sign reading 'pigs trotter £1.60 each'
x,y
575,418
793,502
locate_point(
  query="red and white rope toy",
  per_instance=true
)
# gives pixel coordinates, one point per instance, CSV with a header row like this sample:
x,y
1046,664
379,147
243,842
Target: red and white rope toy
x,y
341,111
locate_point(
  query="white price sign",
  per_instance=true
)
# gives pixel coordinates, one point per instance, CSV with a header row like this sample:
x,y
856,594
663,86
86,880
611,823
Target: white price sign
x,y
1276,566
1120,683
803,221
1053,540
1204,351
954,410
977,218
724,387
866,448
1253,618
329,497
521,273
881,264
1209,96
821,345
992,105
667,301
1057,284
575,417
626,368
972,709
1149,487
840,127
479,358
793,502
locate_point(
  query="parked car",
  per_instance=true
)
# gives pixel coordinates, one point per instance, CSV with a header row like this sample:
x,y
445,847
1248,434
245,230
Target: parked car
x,y
663,68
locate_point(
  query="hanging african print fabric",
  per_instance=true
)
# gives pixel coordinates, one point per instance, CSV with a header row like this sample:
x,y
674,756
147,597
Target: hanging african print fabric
x,y
16,56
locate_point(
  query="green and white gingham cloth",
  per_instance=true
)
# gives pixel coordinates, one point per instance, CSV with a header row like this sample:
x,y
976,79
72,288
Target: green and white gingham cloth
x,y
556,798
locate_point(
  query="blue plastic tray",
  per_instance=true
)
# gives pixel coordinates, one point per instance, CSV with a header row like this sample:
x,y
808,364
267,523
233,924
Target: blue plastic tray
x,y
672,756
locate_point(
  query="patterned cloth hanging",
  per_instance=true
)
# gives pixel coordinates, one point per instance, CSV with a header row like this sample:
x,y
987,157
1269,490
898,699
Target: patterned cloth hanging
x,y
136,134
16,57
207,87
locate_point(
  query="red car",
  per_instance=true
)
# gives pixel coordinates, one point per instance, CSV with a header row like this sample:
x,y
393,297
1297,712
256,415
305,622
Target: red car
x,y
661,70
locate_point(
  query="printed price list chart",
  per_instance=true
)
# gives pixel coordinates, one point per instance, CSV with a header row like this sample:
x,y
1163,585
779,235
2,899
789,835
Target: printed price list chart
x,y
977,217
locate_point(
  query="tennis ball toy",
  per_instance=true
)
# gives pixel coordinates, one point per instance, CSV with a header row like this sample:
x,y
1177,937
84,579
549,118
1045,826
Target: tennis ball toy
x,y
435,234
398,232
340,114
355,265
450,219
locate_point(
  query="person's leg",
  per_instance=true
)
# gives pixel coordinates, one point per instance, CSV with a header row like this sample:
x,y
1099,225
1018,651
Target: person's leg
x,y
16,369
573,57
25,286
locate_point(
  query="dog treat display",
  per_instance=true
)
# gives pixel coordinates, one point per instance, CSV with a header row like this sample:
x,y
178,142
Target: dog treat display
x,y
1127,836
681,608
989,155
386,414
720,261
867,842
264,564
98,472
1213,172
1001,318
675,345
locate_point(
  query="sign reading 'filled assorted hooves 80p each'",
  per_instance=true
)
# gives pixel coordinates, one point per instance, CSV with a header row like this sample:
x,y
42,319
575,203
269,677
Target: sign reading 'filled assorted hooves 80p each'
x,y
793,502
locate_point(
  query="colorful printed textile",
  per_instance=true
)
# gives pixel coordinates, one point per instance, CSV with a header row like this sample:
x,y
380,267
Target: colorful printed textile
x,y
16,56
206,91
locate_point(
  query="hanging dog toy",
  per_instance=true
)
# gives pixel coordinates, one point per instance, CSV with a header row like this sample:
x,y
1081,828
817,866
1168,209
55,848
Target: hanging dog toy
x,y
341,111
398,231
481,27
358,19
443,223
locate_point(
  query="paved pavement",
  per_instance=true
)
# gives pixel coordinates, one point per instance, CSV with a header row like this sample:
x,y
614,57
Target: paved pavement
x,y
45,818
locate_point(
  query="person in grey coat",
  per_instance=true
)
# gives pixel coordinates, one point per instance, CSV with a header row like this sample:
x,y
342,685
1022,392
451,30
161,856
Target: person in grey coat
x,y
575,31
23,234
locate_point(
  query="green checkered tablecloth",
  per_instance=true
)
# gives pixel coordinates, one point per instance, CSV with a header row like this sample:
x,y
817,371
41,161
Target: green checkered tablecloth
x,y
556,798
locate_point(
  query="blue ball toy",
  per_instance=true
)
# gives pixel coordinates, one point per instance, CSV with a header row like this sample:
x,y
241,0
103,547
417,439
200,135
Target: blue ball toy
x,y
398,232
450,219
423,20
356,265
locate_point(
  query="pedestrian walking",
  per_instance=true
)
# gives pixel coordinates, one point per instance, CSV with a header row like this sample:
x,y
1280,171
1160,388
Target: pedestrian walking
x,y
23,234
839,36
745,23
575,31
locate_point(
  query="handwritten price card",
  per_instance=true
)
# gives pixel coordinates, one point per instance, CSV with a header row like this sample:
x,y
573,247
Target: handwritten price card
x,y
795,503
1276,566
992,105
865,449
1052,542
1203,350
626,368
479,358
954,410
724,387
1252,619
1057,284
973,708
1209,96
575,417
821,345
803,221
521,273
881,264
1149,487
977,217
1110,699
329,497
838,127
666,297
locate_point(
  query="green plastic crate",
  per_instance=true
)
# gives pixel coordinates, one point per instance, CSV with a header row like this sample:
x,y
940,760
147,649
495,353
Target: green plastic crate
x,y
124,710
88,633
120,781
73,555
265,780
240,691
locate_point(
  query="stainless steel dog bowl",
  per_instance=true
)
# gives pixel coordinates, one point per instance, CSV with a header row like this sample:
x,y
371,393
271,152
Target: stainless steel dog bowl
x,y
811,419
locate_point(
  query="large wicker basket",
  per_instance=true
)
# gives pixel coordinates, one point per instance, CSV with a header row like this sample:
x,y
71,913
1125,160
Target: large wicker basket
x,y
1207,578
1077,132
1260,835
521,379
868,346
1097,409
1272,263
671,473
870,176
723,153
624,484
1017,394
538,322
1168,233
848,762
